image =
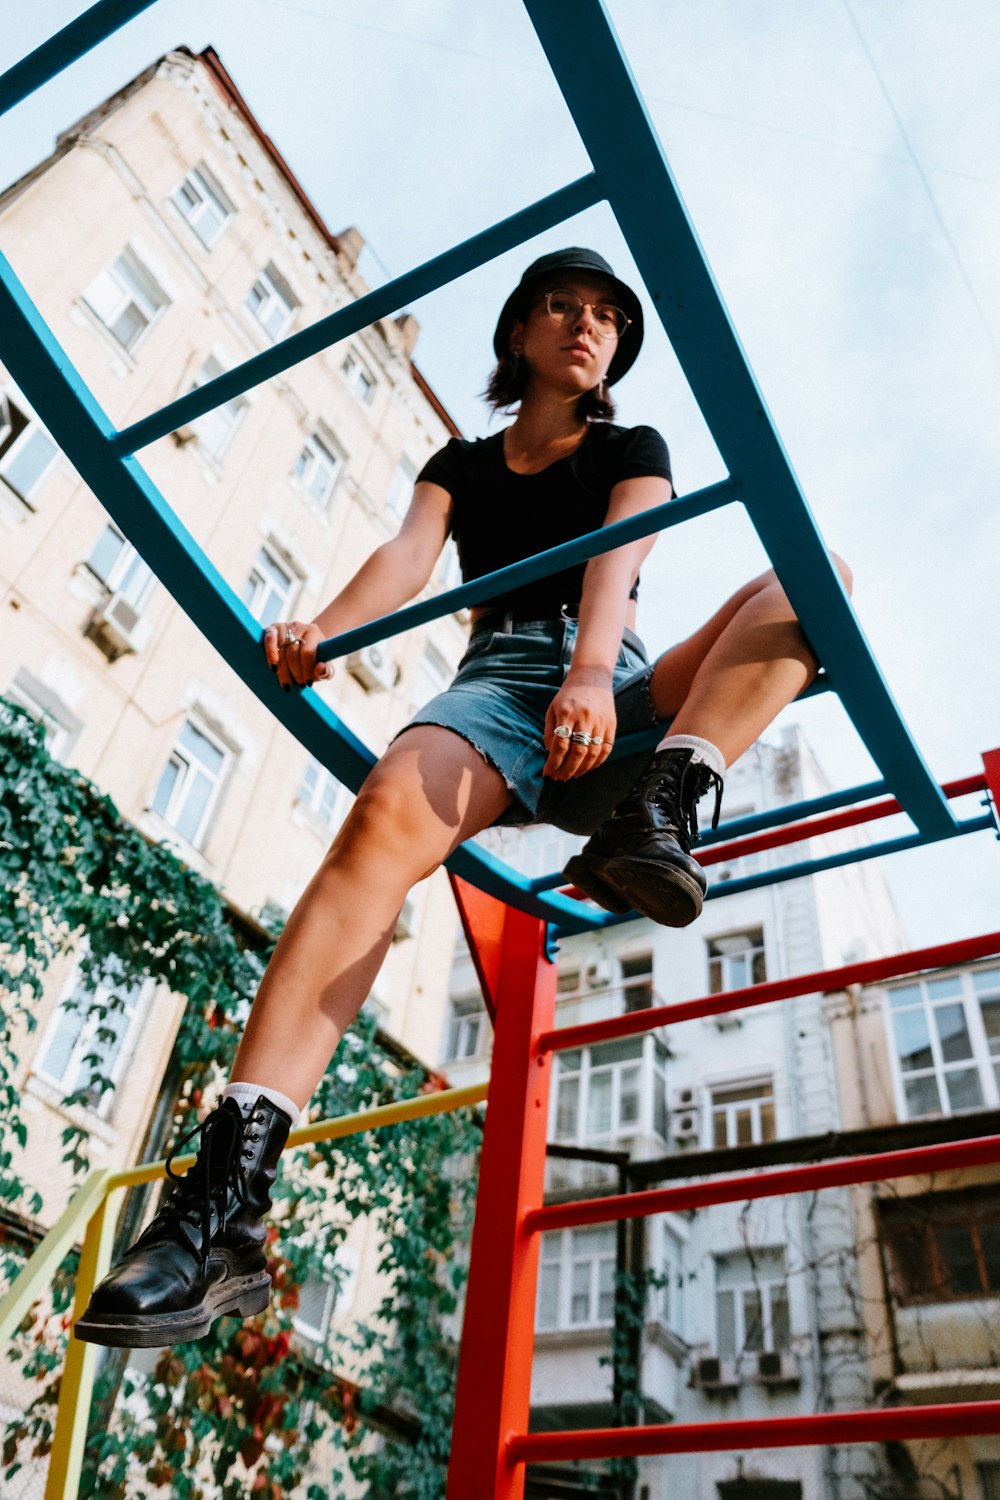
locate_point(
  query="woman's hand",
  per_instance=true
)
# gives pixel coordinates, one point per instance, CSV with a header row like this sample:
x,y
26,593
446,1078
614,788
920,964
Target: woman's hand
x,y
290,648
586,704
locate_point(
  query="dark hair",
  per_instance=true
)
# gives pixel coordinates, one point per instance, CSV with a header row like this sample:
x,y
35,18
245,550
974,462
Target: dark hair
x,y
506,384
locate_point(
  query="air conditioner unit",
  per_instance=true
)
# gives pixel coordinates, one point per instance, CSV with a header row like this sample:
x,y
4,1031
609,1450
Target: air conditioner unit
x,y
778,1367
120,626
683,1127
406,922
596,973
713,1374
372,667
684,1099
728,1020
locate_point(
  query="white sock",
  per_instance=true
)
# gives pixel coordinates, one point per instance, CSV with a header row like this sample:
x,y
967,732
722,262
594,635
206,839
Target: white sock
x,y
247,1094
704,750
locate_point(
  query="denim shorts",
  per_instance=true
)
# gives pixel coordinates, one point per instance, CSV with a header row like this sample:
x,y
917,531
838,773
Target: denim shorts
x,y
498,702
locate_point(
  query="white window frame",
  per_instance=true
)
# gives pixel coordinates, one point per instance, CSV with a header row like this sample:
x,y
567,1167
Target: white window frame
x,y
975,986
128,574
180,754
564,1253
260,589
744,864
338,1286
276,304
320,457
731,1109
223,420
670,1303
359,379
87,1041
62,726
757,1281
736,967
590,1074
469,1032
401,483
208,217
126,282
451,566
325,800
12,448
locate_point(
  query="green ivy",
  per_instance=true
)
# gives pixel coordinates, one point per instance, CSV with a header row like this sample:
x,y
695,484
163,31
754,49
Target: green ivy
x,y
242,1410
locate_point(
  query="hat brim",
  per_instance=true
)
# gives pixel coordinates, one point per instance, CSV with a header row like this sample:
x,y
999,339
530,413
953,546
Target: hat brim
x,y
628,345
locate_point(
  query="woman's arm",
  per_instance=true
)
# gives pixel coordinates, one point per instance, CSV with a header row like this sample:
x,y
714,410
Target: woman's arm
x,y
394,573
586,700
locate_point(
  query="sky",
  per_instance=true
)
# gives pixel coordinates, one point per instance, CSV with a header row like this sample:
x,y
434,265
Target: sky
x,y
839,160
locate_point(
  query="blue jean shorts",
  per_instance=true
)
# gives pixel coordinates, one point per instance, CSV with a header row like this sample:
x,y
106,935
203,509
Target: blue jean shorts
x,y
498,702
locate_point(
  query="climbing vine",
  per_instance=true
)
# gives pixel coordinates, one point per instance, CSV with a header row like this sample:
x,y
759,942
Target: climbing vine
x,y
246,1409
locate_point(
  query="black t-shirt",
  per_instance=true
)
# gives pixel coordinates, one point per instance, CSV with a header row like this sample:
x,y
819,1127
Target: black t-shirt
x,y
499,517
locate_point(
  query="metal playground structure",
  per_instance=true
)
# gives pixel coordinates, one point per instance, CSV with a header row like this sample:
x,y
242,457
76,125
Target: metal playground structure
x,y
510,920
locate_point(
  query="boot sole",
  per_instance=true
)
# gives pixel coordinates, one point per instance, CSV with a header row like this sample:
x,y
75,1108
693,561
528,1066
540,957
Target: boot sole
x,y
591,879
656,890
243,1297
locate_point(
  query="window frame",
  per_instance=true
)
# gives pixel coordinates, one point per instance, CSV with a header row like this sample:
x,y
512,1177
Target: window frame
x,y
467,1014
278,560
559,1251
319,437
982,1059
117,577
731,1109
133,1012
312,799
650,1078
278,292
360,381
12,446
755,1283
231,413
210,191
923,1215
204,826
139,271
748,956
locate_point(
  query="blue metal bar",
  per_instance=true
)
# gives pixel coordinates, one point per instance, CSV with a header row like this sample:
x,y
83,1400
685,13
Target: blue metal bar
x,y
816,866
84,432
434,273
598,87
62,49
604,539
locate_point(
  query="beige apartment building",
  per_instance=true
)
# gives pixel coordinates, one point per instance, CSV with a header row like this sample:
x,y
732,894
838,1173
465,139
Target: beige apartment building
x,y
192,248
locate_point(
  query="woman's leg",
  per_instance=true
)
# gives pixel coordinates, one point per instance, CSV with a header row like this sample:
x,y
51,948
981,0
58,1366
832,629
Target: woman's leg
x,y
732,677
429,792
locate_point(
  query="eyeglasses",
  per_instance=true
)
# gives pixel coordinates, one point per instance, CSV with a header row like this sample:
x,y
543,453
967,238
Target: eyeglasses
x,y
565,307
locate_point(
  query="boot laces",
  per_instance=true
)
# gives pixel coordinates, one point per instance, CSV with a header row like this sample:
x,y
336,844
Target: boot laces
x,y
198,1187
679,795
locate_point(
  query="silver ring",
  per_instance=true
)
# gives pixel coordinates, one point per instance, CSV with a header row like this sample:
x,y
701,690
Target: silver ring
x,y
595,739
563,731
578,738
293,640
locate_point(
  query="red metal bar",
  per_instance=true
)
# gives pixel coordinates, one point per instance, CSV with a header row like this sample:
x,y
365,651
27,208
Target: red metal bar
x,y
947,1156
483,920
901,1423
869,972
810,828
494,1374
991,763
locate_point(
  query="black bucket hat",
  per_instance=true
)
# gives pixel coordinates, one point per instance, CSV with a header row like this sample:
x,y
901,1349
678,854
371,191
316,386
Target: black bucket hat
x,y
574,259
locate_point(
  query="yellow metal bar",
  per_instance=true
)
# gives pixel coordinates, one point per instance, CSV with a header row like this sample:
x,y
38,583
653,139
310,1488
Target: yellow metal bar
x,y
36,1275
77,1386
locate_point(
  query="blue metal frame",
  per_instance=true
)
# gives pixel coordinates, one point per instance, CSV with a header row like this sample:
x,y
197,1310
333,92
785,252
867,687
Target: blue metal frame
x,y
632,175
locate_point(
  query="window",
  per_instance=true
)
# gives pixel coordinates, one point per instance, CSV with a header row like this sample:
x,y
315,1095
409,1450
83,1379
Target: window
x,y
189,786
735,961
324,797
988,1474
746,864
361,383
637,982
317,468
451,566
751,1303
943,1247
270,589
597,1092
127,298
272,301
576,1278
743,1114
62,727
88,1034
401,484
432,676
322,1293
468,1029
120,568
204,203
215,429
27,453
946,1032
672,1272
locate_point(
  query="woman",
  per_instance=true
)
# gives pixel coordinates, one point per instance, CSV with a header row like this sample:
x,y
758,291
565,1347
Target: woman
x,y
552,674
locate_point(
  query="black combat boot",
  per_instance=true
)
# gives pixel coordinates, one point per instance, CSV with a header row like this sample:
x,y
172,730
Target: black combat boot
x,y
640,858
202,1254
